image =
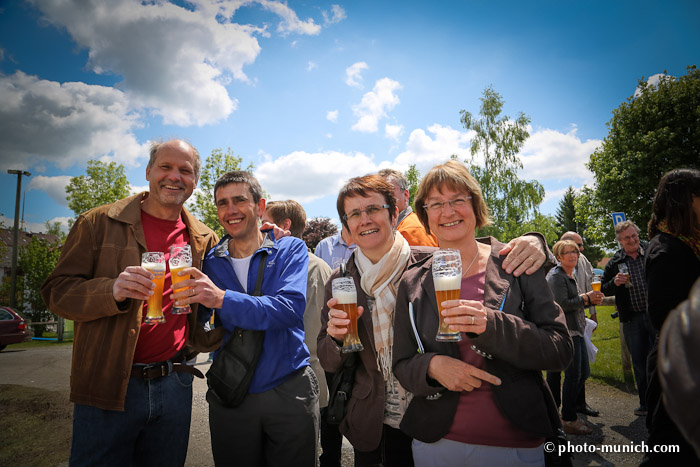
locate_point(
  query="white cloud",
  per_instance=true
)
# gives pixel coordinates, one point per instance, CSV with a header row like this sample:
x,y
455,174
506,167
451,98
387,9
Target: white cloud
x,y
353,74
425,150
65,124
332,116
552,155
310,66
290,21
393,131
335,15
55,187
180,77
296,175
653,81
375,105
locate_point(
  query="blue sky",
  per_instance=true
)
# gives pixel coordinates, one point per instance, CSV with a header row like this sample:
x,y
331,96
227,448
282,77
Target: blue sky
x,y
313,93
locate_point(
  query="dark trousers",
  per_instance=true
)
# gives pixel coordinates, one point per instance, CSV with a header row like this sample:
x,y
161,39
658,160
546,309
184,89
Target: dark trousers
x,y
276,428
331,442
639,337
554,383
574,377
394,451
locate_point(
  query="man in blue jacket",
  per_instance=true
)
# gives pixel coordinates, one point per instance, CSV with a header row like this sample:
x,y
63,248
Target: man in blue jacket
x,y
277,422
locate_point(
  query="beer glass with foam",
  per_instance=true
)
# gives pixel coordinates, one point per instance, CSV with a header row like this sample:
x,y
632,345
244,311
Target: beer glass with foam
x,y
345,293
595,283
180,258
623,269
447,277
154,262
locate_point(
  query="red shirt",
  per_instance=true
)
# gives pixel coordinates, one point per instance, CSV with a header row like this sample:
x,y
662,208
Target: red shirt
x,y
478,419
158,342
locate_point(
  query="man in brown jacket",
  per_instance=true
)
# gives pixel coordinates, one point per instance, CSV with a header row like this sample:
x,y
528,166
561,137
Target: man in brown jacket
x,y
129,381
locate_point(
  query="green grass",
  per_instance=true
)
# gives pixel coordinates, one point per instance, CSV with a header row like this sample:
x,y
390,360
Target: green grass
x,y
608,364
36,344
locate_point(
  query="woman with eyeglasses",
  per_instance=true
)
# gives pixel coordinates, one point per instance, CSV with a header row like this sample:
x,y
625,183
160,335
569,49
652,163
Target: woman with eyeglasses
x,y
563,285
367,207
482,400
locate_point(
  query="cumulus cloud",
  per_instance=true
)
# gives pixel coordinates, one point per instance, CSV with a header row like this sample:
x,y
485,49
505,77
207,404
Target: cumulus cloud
x,y
296,175
436,146
55,187
375,105
332,116
393,131
65,124
553,155
335,15
353,74
653,81
290,21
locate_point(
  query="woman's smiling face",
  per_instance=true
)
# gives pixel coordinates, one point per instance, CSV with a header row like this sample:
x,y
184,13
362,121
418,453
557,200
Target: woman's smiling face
x,y
373,234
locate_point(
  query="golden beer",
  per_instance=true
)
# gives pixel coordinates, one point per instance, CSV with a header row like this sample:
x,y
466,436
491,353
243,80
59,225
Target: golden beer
x,y
180,258
175,278
154,314
345,293
447,288
596,286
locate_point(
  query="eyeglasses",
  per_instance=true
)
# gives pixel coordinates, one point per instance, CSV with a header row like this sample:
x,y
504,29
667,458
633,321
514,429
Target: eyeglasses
x,y
580,245
629,237
371,211
570,252
454,204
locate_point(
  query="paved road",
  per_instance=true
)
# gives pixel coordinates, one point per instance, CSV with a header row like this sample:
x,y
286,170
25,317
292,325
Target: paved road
x,y
49,368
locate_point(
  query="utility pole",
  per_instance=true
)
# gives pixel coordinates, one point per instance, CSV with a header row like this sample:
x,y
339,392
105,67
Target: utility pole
x,y
15,243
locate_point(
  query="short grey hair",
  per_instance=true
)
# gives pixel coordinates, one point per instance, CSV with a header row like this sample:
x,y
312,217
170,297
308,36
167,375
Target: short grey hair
x,y
156,145
624,225
395,175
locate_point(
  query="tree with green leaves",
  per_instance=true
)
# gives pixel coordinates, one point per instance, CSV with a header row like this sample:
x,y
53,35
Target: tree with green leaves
x,y
566,213
512,202
103,183
655,130
318,228
413,178
217,164
37,259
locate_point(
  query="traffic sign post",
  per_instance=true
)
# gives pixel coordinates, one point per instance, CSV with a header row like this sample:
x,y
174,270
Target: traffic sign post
x,y
618,217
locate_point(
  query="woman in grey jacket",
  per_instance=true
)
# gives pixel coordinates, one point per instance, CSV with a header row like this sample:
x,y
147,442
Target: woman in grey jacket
x,y
480,401
563,286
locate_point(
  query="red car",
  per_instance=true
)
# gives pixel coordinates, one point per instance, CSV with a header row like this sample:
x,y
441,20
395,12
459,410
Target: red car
x,y
13,329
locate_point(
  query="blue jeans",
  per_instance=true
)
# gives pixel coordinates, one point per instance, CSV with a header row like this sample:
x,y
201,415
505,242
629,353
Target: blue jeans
x,y
574,378
153,429
639,337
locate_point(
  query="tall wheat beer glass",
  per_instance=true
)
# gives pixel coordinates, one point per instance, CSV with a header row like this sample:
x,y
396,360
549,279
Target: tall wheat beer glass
x,y
447,277
180,258
154,262
344,291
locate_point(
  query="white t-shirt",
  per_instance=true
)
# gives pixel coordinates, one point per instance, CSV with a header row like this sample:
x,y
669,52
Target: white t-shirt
x,y
241,267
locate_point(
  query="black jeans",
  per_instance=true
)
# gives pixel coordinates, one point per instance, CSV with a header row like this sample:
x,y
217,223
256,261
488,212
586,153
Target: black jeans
x,y
394,451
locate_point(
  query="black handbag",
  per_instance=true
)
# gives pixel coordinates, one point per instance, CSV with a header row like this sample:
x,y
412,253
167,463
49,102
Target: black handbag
x,y
230,375
340,388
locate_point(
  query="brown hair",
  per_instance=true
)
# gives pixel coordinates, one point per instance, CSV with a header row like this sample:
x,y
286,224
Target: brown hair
x,y
288,209
364,186
559,247
673,202
624,225
455,176
156,145
240,176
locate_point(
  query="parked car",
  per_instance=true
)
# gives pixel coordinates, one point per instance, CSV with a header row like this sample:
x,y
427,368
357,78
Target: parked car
x,y
13,329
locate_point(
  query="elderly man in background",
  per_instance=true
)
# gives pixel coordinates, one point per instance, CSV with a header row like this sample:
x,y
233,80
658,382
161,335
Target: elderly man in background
x,y
624,277
336,249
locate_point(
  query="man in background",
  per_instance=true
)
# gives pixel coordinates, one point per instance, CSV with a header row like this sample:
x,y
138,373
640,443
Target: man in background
x,y
291,216
336,249
407,223
624,277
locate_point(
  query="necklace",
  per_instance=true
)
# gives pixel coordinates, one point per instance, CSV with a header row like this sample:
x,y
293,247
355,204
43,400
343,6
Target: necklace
x,y
464,274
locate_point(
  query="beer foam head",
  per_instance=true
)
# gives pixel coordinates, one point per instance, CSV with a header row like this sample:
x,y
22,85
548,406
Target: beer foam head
x,y
345,296
447,283
156,267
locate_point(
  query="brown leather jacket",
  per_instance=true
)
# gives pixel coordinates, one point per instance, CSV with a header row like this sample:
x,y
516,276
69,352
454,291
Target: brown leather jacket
x,y
101,244
515,347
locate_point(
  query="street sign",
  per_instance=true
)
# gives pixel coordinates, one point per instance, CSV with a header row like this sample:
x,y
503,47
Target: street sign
x,y
618,217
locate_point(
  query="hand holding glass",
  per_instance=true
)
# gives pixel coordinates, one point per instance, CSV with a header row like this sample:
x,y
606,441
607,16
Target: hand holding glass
x,y
623,269
447,277
154,262
180,258
345,293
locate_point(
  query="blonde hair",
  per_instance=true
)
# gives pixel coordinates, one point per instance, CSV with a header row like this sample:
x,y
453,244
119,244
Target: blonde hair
x,y
559,247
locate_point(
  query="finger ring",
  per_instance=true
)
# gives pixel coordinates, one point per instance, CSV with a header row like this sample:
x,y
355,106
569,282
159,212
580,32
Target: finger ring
x,y
472,321
194,291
